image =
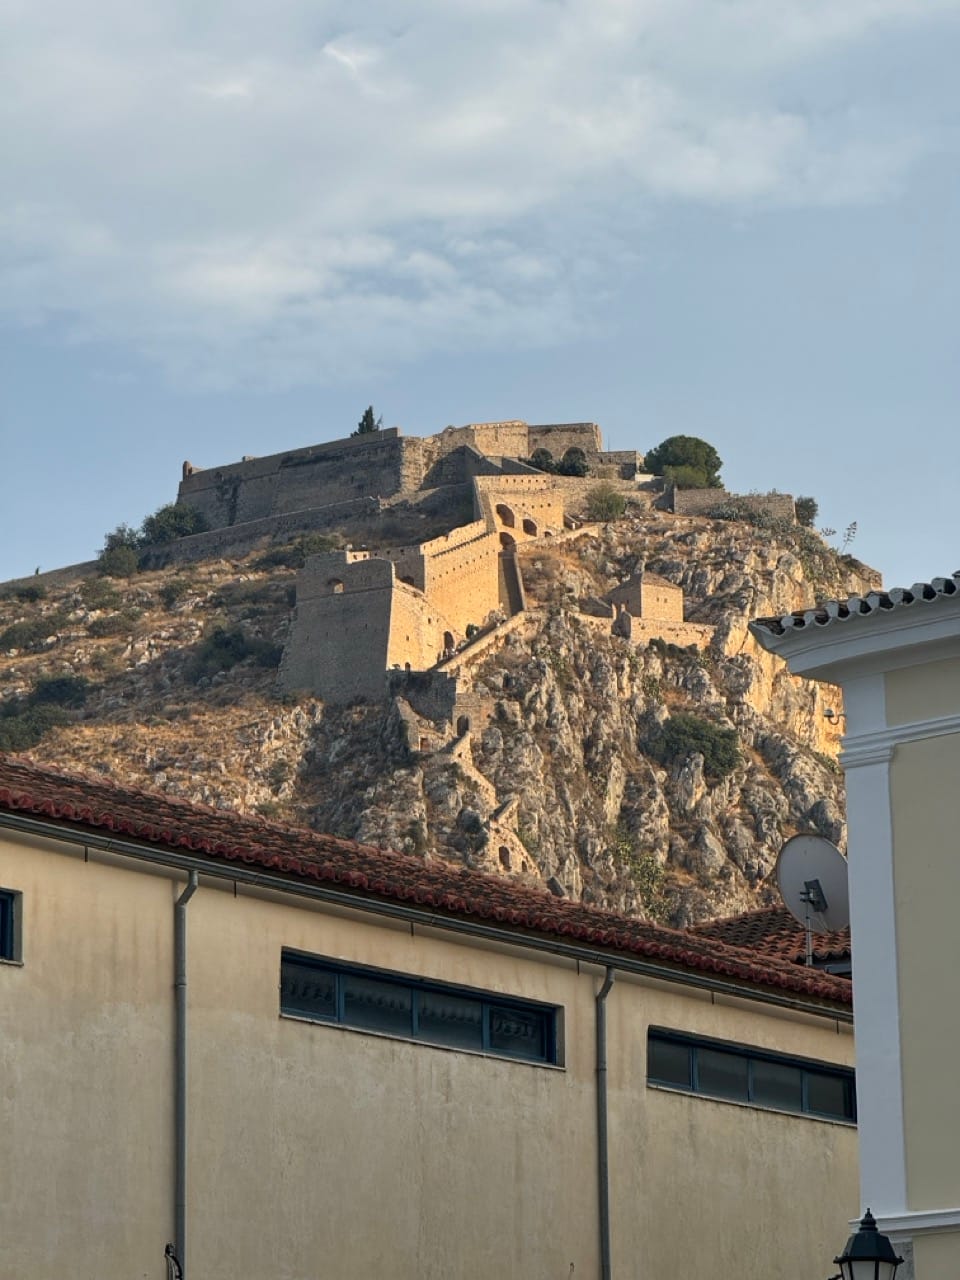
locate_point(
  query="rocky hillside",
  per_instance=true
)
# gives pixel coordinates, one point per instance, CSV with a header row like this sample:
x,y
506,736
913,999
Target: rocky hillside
x,y
655,779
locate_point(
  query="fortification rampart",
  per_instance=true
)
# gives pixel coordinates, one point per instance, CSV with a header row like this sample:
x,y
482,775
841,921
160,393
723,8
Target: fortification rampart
x,y
463,581
340,636
641,630
377,465
239,540
695,502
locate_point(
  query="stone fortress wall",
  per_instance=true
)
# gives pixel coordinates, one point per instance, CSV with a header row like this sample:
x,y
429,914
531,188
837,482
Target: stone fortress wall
x,y
361,615
646,607
696,502
382,464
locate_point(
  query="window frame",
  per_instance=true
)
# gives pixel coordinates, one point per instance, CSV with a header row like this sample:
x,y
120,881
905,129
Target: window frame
x,y
10,926
808,1067
417,986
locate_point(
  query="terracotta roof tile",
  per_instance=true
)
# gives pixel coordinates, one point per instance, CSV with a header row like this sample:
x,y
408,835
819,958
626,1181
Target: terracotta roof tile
x,y
86,803
773,932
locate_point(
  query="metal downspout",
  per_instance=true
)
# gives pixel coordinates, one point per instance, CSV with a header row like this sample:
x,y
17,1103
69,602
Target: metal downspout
x,y
180,1069
603,1154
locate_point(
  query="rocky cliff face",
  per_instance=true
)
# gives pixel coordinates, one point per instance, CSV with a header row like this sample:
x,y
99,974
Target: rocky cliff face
x,y
651,778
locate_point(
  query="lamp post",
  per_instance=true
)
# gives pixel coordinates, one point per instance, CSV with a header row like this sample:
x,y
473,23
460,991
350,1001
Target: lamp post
x,y
868,1254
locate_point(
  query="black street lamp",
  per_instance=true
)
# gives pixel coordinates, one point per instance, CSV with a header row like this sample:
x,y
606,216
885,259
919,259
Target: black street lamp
x,y
868,1254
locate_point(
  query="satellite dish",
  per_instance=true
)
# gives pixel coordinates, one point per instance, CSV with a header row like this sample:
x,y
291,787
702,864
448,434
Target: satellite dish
x,y
811,875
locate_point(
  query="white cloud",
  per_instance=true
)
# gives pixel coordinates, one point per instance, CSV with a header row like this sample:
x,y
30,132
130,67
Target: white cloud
x,y
228,189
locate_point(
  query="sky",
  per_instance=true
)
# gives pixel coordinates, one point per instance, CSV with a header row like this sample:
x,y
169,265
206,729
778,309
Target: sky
x,y
227,228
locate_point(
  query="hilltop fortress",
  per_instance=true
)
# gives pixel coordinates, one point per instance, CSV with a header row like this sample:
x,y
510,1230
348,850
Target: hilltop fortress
x,y
383,465
367,618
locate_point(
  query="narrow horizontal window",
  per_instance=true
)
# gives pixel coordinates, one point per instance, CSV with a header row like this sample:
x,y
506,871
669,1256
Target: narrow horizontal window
x,y
9,925
411,1009
740,1074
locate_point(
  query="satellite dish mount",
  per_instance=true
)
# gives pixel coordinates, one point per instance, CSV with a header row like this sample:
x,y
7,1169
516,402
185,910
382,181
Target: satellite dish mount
x,y
811,875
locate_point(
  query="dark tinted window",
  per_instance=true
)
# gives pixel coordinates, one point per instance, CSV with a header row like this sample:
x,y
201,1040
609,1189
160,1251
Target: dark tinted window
x,y
829,1095
740,1074
408,1008
377,1006
776,1084
669,1063
451,1019
8,941
307,990
722,1074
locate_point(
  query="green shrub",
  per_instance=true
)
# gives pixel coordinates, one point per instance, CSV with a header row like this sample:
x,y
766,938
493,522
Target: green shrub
x,y
99,594
294,554
573,463
542,459
683,735
60,691
222,650
29,593
22,727
32,631
173,591
807,510
118,562
605,502
122,536
114,624
175,520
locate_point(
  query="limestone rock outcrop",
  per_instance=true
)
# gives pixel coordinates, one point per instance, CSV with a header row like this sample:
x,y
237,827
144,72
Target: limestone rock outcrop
x,y
555,771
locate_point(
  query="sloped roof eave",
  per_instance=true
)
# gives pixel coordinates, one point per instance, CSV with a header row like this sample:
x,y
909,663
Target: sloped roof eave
x,y
154,819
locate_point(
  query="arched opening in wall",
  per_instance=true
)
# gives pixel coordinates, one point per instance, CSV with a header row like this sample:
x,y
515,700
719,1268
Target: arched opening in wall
x,y
504,854
463,725
449,644
506,541
505,515
529,527
335,585
548,533
526,865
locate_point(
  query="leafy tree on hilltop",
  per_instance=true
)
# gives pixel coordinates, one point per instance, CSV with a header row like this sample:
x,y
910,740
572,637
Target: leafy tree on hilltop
x,y
688,461
807,510
175,520
573,463
542,459
368,423
605,502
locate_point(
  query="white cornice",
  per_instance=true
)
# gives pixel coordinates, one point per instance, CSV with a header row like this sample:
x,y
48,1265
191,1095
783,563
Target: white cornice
x,y
868,642
878,745
915,1222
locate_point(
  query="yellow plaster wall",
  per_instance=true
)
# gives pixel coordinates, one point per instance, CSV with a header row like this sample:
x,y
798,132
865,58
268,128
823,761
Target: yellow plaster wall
x,y
316,1146
85,1071
922,692
935,1256
923,781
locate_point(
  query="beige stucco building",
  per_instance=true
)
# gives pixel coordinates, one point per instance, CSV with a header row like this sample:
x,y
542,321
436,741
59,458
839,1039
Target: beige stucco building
x,y
896,656
292,1056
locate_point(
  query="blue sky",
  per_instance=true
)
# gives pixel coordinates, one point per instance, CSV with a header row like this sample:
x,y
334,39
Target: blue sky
x,y
230,227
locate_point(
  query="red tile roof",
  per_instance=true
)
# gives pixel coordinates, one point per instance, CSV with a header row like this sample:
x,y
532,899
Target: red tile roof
x,y
82,803
773,932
